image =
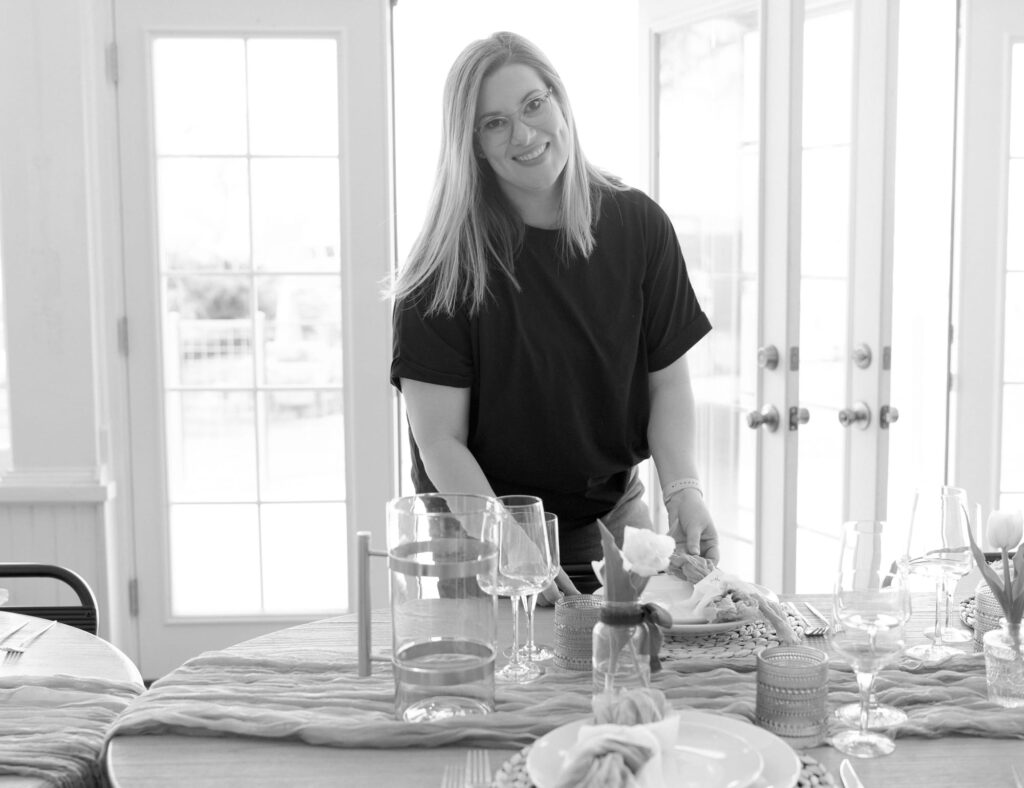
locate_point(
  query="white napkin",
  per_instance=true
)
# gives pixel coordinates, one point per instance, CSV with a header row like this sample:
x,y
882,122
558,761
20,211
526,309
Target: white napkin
x,y
595,741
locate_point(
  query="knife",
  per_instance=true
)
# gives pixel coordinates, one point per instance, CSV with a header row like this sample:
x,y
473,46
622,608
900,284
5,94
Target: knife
x,y
848,775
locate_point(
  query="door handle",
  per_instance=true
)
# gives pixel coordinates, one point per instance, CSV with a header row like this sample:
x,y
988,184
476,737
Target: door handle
x,y
887,415
798,416
767,417
859,414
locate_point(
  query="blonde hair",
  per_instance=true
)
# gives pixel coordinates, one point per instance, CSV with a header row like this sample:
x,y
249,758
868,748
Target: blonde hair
x,y
470,224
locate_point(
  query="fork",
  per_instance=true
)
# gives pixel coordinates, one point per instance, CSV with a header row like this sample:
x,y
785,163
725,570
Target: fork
x,y
478,769
14,652
809,631
453,777
824,628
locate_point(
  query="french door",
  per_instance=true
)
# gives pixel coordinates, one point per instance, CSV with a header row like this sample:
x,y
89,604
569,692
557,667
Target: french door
x,y
256,184
773,127
988,380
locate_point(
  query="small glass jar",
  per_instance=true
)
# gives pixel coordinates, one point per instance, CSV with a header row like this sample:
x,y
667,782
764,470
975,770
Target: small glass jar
x,y
1004,664
621,653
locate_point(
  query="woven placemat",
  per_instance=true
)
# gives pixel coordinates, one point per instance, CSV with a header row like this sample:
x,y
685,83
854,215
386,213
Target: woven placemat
x,y
512,773
746,640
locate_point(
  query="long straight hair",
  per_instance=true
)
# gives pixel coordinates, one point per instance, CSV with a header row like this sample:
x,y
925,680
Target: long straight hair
x,y
470,224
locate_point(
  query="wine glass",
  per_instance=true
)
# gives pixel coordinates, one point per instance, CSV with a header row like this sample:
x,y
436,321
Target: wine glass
x,y
880,715
533,651
872,604
938,548
524,559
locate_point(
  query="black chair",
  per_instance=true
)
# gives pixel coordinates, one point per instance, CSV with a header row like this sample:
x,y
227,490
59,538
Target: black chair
x,y
85,616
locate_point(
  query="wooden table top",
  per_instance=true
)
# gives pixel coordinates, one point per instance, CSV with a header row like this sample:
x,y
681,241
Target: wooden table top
x,y
63,650
161,761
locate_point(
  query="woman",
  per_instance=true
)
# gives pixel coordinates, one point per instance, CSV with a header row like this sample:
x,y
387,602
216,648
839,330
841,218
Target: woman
x,y
542,318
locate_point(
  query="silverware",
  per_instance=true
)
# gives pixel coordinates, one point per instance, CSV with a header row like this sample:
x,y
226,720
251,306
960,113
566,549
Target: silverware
x,y
810,631
824,619
453,777
13,652
13,631
478,769
848,775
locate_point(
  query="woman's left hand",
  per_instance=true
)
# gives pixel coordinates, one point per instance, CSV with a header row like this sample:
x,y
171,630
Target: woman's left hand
x,y
689,523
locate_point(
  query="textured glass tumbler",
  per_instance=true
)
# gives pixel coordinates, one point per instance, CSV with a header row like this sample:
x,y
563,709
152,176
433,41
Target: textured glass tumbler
x,y
575,617
792,694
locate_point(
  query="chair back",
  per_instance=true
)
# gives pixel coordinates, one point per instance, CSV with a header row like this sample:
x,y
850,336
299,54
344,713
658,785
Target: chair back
x,y
84,616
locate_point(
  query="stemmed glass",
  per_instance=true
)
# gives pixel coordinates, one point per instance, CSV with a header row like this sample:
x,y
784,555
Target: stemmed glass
x,y
880,715
533,651
872,604
938,548
524,559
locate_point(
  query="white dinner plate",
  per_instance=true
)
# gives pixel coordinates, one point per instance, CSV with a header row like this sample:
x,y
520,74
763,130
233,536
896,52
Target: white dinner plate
x,y
706,756
675,595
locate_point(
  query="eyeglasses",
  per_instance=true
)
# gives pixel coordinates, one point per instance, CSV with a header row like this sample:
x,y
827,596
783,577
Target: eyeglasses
x,y
497,129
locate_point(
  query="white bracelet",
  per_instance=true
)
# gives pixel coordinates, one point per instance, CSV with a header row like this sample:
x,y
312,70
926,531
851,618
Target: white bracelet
x,y
672,488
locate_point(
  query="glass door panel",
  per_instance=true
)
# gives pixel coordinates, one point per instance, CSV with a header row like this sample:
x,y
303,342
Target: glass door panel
x,y
708,105
824,288
249,235
1011,484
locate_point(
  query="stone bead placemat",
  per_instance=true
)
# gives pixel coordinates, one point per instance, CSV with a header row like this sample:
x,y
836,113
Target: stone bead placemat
x,y
967,610
512,773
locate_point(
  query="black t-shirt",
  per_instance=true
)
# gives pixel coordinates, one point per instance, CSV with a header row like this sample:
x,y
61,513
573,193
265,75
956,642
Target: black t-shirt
x,y
557,371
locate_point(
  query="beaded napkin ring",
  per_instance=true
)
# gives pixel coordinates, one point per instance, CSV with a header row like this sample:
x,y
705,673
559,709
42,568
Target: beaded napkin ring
x,y
679,485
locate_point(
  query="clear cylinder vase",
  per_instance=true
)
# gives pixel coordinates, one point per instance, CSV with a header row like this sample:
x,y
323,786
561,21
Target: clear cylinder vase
x,y
621,654
1004,664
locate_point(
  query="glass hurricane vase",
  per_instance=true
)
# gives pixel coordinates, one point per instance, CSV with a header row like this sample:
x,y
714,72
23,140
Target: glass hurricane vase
x,y
621,654
1004,664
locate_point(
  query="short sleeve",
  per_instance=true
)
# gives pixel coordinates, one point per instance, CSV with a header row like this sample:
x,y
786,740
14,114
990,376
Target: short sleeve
x,y
430,348
673,319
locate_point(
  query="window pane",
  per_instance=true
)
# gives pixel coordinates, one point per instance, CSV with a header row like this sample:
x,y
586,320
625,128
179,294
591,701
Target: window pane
x,y
1013,447
211,446
204,214
199,96
297,579
208,331
1015,217
215,560
301,330
295,214
302,454
1017,101
293,97
1013,357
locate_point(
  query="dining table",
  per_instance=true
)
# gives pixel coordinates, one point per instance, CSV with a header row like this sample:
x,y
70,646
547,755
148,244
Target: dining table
x,y
58,699
195,728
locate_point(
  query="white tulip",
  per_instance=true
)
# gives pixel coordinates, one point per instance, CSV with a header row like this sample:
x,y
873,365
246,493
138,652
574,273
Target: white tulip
x,y
644,552
1004,529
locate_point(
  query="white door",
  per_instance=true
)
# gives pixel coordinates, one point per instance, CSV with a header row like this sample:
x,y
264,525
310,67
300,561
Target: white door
x,y
988,380
772,134
257,190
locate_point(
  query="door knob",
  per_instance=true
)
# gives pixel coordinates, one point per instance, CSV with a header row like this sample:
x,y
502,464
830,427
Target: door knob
x,y
861,356
798,416
767,417
768,357
859,414
887,415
